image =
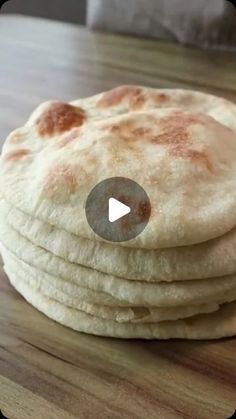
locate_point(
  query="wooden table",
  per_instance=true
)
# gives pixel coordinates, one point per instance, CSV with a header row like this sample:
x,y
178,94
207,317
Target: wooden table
x,y
47,370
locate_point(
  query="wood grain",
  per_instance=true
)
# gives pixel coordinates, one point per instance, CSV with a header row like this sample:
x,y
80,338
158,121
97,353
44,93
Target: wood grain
x,y
43,59
47,370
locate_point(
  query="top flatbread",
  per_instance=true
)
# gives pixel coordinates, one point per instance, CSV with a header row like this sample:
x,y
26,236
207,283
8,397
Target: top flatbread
x,y
183,142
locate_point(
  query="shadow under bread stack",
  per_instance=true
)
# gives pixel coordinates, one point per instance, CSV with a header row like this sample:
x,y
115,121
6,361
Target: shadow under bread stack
x,y
177,278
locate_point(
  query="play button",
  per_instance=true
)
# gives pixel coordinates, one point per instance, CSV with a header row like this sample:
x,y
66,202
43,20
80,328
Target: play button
x,y
118,209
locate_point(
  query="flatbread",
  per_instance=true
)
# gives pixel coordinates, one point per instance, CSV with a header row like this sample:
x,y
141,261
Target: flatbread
x,y
217,325
188,161
124,99
210,259
132,293
67,287
119,314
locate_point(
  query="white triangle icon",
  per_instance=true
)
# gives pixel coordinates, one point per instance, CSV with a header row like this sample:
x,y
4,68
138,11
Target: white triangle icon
x,y
117,210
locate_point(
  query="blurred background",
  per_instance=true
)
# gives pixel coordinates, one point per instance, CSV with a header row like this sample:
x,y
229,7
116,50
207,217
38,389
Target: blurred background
x,y
210,23
59,54
73,11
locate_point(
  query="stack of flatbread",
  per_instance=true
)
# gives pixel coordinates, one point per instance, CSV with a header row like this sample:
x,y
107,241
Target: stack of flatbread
x,y
177,279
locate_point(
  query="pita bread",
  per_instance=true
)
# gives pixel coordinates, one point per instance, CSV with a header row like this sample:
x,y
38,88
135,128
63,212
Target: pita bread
x,y
66,287
119,314
210,259
132,293
49,166
124,99
37,257
220,324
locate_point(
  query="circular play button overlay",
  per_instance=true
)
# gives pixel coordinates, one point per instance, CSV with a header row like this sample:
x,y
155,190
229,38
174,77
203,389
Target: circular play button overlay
x,y
118,209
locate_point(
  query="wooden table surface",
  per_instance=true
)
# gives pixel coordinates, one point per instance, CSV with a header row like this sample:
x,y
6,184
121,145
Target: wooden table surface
x,y
47,370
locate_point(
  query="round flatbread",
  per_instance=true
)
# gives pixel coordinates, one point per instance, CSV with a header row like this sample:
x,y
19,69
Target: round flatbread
x,y
220,324
132,293
119,314
206,260
188,160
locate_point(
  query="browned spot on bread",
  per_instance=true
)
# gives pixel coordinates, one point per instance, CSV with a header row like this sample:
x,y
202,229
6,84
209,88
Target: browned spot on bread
x,y
137,101
173,129
175,125
61,180
135,96
120,128
172,132
176,135
199,157
13,156
115,96
158,98
130,130
162,97
69,139
141,211
142,132
58,118
16,137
